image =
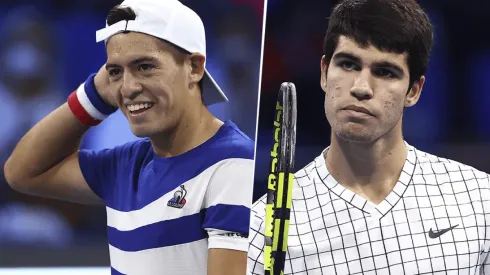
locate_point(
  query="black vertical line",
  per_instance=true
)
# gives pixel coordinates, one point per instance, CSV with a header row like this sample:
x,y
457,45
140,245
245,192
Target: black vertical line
x,y
369,239
355,239
445,207
325,225
422,225
338,225
398,239
433,213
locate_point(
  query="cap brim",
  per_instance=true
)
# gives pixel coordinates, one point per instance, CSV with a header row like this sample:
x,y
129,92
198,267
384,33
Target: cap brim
x,y
211,93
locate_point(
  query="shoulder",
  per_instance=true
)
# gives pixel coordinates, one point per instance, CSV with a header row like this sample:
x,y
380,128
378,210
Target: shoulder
x,y
231,142
449,170
229,149
304,177
228,156
444,165
135,148
124,153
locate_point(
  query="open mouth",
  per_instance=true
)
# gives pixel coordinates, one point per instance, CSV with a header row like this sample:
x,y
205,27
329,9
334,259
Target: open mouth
x,y
135,109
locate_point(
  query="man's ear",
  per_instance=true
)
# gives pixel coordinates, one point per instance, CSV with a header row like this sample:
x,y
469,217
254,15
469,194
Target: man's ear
x,y
414,93
323,69
197,68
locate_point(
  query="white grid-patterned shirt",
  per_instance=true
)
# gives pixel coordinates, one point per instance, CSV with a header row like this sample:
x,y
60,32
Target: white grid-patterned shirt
x,y
436,220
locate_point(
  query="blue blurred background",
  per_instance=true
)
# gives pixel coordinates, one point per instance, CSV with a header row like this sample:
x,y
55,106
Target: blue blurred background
x,y
47,49
452,118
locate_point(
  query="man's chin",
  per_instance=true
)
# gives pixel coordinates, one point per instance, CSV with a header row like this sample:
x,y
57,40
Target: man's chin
x,y
358,137
141,132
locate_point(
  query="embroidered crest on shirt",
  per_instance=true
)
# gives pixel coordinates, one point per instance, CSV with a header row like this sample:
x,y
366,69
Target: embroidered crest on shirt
x,y
178,201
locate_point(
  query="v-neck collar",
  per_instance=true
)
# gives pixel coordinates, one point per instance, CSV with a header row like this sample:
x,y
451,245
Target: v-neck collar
x,y
358,201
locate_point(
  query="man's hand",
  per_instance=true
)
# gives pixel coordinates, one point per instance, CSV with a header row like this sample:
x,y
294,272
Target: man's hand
x,y
103,86
226,262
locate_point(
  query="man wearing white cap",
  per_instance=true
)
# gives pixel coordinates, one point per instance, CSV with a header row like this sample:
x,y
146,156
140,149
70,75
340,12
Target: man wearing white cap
x,y
178,200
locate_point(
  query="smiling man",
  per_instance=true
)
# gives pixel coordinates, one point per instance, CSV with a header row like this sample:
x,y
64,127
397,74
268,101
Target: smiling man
x,y
370,203
178,200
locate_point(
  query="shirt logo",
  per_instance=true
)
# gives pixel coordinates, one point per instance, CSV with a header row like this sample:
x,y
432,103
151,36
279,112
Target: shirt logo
x,y
437,234
178,201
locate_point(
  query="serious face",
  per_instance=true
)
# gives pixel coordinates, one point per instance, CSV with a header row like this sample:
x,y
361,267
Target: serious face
x,y
151,80
366,91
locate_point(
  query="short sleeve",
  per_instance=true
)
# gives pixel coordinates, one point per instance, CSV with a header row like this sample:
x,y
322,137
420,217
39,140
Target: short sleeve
x,y
101,168
227,201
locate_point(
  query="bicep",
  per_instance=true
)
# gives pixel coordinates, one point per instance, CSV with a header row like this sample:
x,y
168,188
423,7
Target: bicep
x,y
226,262
64,181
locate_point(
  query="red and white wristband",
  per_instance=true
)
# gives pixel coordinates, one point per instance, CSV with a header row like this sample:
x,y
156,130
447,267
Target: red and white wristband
x,y
87,105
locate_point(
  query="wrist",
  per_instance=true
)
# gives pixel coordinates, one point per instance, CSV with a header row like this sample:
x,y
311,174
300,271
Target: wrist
x,y
87,105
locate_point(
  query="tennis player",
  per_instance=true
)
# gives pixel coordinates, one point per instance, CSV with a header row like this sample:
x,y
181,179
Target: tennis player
x,y
371,203
178,201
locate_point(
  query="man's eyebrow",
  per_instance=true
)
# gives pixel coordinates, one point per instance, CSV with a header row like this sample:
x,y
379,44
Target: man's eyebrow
x,y
389,65
378,64
133,62
347,55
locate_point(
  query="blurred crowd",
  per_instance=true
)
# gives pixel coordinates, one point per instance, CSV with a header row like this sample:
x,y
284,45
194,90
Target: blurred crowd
x,y
48,48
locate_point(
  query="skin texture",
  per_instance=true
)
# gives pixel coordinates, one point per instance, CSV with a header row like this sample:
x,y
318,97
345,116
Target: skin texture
x,y
367,151
226,261
144,69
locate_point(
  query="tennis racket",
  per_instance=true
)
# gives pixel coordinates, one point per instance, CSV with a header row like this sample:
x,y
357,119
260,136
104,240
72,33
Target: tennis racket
x,y
280,181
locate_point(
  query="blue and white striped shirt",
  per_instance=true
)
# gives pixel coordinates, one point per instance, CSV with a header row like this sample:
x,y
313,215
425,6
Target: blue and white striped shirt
x,y
163,214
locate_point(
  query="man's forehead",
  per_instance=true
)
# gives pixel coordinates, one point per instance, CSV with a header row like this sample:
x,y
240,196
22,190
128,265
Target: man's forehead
x,y
132,41
124,47
370,53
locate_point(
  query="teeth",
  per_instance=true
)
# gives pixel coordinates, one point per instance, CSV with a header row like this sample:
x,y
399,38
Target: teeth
x,y
137,107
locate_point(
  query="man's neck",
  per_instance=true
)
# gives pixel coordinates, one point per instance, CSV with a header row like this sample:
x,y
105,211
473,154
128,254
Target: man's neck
x,y
193,129
370,170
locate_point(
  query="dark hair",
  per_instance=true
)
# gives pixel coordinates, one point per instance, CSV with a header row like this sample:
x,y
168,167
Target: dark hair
x,y
118,14
390,25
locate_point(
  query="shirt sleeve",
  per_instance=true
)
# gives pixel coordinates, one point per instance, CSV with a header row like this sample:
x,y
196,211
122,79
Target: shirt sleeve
x,y
227,201
100,168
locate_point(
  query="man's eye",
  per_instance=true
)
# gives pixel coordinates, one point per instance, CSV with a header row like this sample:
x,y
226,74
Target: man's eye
x,y
114,72
349,66
146,67
385,73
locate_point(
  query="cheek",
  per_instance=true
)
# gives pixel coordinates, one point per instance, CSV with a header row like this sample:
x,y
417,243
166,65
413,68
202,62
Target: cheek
x,y
169,88
179,80
335,86
392,105
115,93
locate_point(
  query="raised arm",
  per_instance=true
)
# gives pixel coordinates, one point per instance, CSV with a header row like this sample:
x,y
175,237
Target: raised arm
x,y
45,161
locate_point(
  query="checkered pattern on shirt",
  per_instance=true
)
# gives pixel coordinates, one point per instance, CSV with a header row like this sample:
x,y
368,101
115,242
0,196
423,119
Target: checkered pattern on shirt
x,y
335,231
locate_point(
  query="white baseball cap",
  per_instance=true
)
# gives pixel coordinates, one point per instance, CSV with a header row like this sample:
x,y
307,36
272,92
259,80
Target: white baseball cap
x,y
174,22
